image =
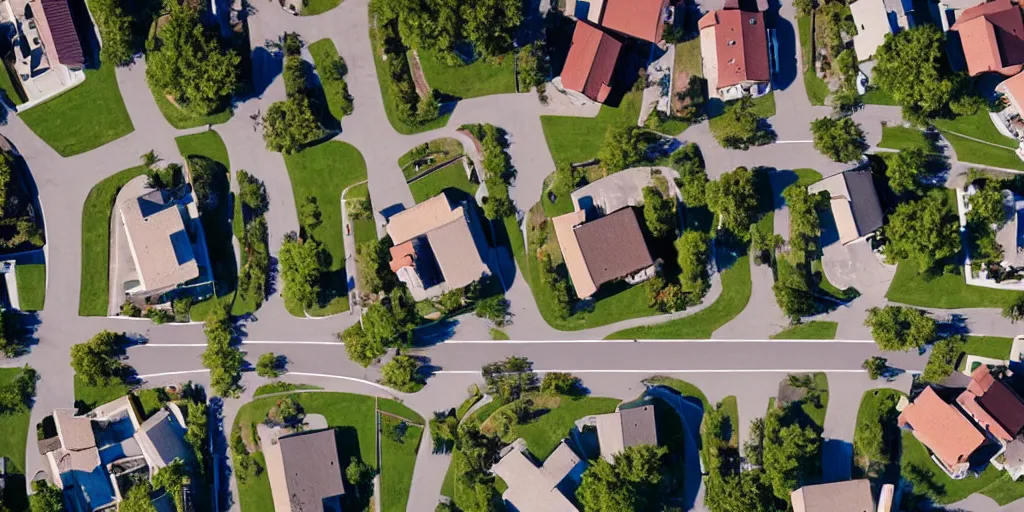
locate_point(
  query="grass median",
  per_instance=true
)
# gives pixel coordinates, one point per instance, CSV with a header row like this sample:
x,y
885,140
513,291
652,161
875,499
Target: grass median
x,y
31,286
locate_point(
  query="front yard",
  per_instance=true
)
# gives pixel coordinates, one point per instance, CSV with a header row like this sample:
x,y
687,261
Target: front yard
x,y
995,150
15,428
479,78
86,117
817,89
578,139
31,286
902,137
985,346
946,291
99,204
814,330
452,176
323,172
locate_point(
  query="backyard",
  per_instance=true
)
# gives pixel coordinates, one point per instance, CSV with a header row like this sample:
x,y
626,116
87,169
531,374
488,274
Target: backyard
x,y
96,211
31,286
323,172
86,117
452,176
478,78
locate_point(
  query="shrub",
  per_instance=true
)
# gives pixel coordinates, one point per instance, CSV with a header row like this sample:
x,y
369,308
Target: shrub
x,y
561,383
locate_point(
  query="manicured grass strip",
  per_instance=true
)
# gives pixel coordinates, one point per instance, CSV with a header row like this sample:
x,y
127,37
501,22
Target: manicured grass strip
x,y
399,409
365,229
876,96
15,429
985,346
13,94
451,176
314,7
31,286
683,387
817,414
182,119
498,334
974,152
807,176
390,108
323,172
731,408
815,330
398,460
901,137
947,291
979,126
702,324
543,434
208,144
439,151
323,52
83,118
817,89
92,396
93,296
479,78
280,387
578,139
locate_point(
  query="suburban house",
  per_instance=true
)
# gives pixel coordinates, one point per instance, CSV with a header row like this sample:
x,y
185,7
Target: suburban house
x,y
590,64
1012,458
439,246
735,53
304,472
992,37
942,428
167,247
1013,90
95,458
539,488
48,56
854,204
875,19
624,428
993,405
603,250
57,29
642,19
848,496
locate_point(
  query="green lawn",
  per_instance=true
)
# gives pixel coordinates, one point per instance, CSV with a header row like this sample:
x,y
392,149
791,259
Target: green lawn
x,y
399,409
688,57
31,286
398,461
14,95
182,119
973,152
947,291
451,176
866,414
543,434
323,52
96,211
985,346
281,387
86,117
702,325
763,106
876,96
365,229
807,176
979,126
954,490
15,428
429,154
578,139
314,7
814,330
901,137
817,414
467,404
390,109
817,89
498,334
92,396
480,78
683,387
353,414
323,171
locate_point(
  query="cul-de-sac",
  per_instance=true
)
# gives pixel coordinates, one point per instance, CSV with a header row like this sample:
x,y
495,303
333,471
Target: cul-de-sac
x,y
511,255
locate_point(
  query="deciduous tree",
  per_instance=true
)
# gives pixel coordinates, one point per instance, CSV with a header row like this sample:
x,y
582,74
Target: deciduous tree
x,y
633,482
925,231
840,139
288,125
906,169
943,359
96,360
622,148
222,358
303,261
911,66
659,213
733,197
401,373
900,327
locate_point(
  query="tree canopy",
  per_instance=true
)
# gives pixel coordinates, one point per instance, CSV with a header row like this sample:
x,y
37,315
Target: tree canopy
x,y
791,453
96,361
987,206
906,170
510,378
186,61
222,358
489,25
401,373
659,213
635,481
734,198
622,148
303,261
942,361
693,178
288,125
740,127
911,67
900,327
840,139
924,231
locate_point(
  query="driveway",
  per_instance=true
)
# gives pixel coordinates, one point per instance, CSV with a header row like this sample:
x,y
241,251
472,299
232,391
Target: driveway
x,y
855,265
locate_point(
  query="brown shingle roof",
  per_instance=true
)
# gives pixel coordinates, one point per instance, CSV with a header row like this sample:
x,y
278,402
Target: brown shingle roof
x,y
57,28
309,471
638,18
992,36
849,496
613,246
1002,411
591,61
942,428
741,42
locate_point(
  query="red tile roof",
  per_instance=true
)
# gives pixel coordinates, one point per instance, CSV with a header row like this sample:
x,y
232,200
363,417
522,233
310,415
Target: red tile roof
x,y
993,404
741,41
57,28
403,255
641,19
992,36
591,62
942,428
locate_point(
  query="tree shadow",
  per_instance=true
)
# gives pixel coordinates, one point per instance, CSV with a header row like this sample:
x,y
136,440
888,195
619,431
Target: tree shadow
x,y
266,65
786,44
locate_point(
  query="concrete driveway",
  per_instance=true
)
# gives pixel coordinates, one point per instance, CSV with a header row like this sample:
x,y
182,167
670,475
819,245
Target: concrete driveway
x,y
855,265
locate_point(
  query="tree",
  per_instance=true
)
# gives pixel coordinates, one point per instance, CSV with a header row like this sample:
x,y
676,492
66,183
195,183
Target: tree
x,y
900,327
254,275
491,24
360,347
1014,309
876,366
840,139
444,430
986,207
633,482
510,378
45,497
943,359
911,67
401,373
740,127
188,63
561,383
804,7
223,359
373,258
693,178
172,478
567,178
289,125
359,475
380,324
310,216
494,308
791,452
117,28
303,261
137,498
95,361
268,365
12,343
694,249
252,193
906,169
622,148
659,213
197,433
925,231
733,197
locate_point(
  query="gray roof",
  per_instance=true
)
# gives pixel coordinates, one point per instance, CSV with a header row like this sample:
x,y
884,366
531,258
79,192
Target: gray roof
x,y
311,470
163,439
867,211
638,426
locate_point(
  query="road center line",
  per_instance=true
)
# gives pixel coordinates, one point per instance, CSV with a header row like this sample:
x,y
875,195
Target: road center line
x,y
164,374
711,340
342,377
655,372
